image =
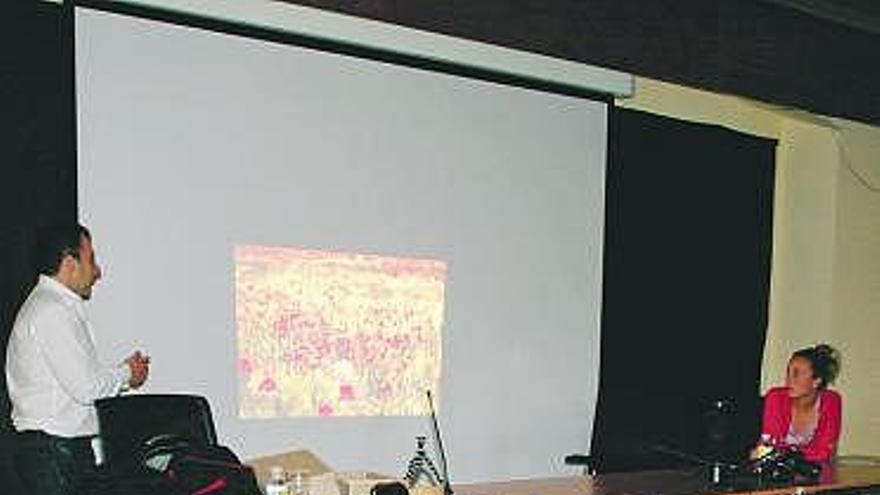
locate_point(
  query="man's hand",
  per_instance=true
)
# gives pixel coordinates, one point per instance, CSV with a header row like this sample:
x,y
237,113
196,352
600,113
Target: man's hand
x,y
139,365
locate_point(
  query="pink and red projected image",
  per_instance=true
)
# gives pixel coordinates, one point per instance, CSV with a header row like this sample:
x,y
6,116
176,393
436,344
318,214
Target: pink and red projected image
x,y
336,334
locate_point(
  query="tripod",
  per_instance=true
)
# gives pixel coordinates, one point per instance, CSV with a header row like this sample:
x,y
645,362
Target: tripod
x,y
421,465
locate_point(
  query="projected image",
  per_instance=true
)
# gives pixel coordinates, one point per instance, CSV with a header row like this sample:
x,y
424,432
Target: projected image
x,y
336,334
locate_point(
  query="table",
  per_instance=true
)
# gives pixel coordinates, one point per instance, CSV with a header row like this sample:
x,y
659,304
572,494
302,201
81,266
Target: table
x,y
838,478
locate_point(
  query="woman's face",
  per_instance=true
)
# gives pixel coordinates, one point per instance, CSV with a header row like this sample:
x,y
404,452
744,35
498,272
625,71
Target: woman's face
x,y
799,378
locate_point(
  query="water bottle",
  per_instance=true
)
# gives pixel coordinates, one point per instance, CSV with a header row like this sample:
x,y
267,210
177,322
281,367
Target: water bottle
x,y
277,484
298,483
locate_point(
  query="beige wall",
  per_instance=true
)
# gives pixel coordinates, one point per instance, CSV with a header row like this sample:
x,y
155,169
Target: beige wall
x,y
825,278
803,244
855,310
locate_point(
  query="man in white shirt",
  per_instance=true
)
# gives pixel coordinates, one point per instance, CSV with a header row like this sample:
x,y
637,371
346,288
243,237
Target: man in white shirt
x,y
52,370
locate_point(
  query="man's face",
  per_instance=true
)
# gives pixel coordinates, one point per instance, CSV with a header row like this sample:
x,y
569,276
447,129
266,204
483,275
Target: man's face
x,y
86,270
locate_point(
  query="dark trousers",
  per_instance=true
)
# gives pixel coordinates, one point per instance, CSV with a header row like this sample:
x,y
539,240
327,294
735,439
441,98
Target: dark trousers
x,y
50,465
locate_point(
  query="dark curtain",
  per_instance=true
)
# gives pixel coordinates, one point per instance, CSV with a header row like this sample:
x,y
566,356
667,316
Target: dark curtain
x,y
38,172
686,282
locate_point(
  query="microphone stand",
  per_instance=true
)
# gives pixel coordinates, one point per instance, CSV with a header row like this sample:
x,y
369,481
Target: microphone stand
x,y
447,487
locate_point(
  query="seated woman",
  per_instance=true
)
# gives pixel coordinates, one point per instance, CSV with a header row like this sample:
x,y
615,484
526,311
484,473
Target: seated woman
x,y
805,414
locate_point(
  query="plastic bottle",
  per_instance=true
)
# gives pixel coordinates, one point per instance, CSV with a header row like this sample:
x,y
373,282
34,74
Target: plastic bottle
x,y
277,484
298,483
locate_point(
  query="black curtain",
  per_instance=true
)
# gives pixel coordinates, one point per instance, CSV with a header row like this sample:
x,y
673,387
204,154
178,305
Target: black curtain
x,y
38,172
686,282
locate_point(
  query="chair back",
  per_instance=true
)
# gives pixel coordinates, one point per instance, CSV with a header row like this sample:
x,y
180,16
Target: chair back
x,y
128,424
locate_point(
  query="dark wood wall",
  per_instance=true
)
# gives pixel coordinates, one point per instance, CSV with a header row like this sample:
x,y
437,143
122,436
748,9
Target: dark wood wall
x,y
753,48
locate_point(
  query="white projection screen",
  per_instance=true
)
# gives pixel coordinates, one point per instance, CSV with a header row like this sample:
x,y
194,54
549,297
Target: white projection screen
x,y
239,189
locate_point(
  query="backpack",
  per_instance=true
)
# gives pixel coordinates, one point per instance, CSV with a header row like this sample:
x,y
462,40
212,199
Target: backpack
x,y
198,469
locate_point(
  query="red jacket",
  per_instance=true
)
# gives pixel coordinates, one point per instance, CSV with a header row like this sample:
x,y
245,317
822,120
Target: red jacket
x,y
777,418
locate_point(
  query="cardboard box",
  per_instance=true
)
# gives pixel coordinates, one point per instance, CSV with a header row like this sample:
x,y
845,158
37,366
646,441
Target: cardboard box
x,y
360,482
319,479
312,468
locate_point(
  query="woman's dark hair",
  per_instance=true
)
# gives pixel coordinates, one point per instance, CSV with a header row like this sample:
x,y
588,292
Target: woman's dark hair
x,y
825,361
55,242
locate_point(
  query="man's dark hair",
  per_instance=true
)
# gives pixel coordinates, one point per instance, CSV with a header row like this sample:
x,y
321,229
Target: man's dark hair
x,y
55,242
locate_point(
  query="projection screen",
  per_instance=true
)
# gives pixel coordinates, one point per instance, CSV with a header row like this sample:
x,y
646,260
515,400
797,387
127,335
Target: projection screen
x,y
312,240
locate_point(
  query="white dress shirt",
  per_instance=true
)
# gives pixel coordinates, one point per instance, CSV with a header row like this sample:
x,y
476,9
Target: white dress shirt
x,y
52,371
